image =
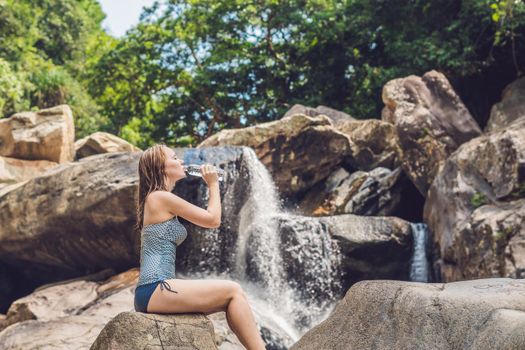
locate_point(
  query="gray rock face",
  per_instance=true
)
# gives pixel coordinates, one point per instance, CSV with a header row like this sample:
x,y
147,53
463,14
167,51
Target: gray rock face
x,y
476,207
480,314
213,250
371,247
431,122
48,134
511,107
133,330
361,193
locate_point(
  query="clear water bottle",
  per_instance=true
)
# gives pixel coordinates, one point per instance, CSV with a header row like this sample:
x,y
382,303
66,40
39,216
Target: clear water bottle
x,y
195,170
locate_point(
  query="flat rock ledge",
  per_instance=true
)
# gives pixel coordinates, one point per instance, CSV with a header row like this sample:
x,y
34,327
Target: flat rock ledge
x,y
135,330
478,314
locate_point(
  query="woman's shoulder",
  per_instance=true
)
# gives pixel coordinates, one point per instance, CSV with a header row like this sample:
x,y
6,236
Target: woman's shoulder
x,y
155,206
155,197
157,194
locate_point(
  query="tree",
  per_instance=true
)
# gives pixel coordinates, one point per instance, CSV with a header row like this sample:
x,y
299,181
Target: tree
x,y
46,46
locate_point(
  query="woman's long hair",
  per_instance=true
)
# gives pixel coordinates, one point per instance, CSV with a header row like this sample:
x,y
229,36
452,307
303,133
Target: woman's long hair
x,y
152,177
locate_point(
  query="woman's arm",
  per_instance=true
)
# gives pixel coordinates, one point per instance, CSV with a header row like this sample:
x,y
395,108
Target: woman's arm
x,y
214,203
210,218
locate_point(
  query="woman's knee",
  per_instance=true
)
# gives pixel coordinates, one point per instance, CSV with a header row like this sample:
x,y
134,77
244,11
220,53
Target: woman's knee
x,y
236,290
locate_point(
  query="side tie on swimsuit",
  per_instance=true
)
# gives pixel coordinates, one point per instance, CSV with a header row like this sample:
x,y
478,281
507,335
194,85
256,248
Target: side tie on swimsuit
x,y
164,284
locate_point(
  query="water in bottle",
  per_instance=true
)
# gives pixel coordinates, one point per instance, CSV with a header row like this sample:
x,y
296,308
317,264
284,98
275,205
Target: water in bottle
x,y
195,170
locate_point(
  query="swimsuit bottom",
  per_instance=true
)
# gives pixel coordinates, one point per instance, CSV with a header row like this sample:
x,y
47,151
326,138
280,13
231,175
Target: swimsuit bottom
x,y
144,292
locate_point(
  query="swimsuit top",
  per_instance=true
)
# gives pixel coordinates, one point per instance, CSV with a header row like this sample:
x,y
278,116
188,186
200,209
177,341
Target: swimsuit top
x,y
158,243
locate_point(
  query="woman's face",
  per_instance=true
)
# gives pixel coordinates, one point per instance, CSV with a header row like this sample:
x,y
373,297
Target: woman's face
x,y
173,166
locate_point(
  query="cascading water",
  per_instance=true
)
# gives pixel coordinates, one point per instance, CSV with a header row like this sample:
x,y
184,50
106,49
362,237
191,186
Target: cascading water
x,y
295,276
419,264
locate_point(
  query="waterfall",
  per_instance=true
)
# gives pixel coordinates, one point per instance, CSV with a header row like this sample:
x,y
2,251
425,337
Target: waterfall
x,y
297,292
419,263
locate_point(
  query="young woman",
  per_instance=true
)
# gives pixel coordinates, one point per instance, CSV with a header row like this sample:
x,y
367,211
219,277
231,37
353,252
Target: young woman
x,y
158,290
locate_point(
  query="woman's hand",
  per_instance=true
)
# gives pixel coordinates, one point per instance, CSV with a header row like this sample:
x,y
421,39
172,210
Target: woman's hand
x,y
209,174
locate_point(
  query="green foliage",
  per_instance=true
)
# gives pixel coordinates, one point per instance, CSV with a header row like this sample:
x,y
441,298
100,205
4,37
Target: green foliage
x,y
44,45
191,68
503,234
478,199
519,191
11,90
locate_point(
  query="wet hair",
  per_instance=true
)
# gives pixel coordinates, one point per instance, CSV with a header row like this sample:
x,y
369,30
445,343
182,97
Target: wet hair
x,y
152,177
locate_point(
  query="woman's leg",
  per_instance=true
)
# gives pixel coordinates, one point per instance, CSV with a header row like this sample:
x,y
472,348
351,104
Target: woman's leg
x,y
209,296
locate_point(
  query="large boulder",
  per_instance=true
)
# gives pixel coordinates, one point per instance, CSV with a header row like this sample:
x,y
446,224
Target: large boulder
x,y
48,134
511,107
337,117
373,143
298,150
65,316
361,193
75,219
132,330
65,298
431,122
14,170
102,142
476,207
371,247
322,256
482,314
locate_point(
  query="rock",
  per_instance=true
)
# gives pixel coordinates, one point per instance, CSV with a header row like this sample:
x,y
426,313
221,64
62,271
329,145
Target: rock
x,y
224,337
75,219
322,256
480,314
52,303
431,122
289,148
511,107
40,320
337,117
14,170
102,142
361,193
371,247
373,144
476,207
44,135
71,332
8,290
310,258
133,330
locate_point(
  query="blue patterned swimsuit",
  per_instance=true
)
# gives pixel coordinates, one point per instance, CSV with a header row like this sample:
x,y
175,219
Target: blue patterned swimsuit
x,y
158,246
